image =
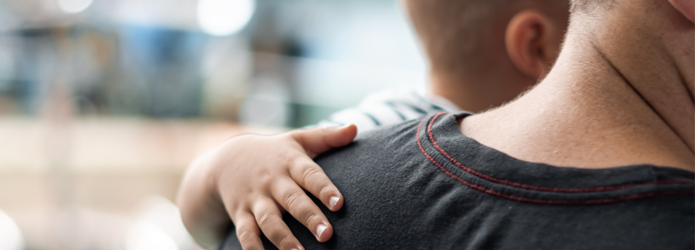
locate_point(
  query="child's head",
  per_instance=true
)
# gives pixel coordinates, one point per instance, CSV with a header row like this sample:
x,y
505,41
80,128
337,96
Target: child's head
x,y
481,41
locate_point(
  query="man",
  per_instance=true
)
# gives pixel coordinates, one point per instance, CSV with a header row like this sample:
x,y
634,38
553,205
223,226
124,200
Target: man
x,y
482,53
599,155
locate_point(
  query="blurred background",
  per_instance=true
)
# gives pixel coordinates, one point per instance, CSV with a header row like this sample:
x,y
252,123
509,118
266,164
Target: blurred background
x,y
103,103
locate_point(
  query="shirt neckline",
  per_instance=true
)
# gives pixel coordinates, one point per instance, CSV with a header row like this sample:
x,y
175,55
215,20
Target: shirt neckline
x,y
493,172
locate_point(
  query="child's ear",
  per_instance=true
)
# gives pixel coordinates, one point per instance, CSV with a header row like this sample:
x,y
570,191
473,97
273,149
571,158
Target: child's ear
x,y
532,43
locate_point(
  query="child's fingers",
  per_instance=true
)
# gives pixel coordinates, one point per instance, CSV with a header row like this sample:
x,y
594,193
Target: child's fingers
x,y
247,231
298,204
312,178
318,140
270,221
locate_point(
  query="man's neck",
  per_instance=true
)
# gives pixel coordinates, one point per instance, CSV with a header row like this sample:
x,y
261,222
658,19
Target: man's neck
x,y
586,113
477,94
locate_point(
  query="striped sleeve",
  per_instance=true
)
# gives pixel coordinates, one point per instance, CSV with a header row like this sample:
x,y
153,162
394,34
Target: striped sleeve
x,y
386,108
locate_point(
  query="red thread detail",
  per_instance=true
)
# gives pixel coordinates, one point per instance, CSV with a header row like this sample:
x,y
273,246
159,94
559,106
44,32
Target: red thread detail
x,y
540,201
537,188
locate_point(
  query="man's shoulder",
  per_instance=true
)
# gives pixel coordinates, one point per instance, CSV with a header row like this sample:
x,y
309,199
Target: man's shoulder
x,y
384,140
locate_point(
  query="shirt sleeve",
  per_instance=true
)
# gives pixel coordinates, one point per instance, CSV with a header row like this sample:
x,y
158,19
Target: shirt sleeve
x,y
385,108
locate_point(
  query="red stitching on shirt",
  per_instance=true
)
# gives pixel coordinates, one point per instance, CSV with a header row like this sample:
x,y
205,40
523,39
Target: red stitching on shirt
x,y
537,188
540,201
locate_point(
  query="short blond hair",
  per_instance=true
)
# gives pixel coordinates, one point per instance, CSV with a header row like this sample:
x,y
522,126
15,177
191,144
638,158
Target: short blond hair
x,y
457,35
447,29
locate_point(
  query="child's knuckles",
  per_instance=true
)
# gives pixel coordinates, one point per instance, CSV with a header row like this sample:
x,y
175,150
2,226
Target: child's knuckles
x,y
292,199
313,219
311,175
286,241
266,219
247,238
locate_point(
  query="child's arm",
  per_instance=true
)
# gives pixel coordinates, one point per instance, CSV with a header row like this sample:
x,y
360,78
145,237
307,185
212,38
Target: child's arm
x,y
252,179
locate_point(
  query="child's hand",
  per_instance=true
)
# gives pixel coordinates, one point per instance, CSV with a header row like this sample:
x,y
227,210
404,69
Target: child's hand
x,y
259,177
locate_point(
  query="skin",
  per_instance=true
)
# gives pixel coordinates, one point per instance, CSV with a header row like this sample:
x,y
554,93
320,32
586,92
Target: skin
x,y
243,179
523,44
253,179
621,93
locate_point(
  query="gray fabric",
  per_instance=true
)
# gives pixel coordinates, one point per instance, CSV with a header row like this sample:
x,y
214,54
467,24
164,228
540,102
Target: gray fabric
x,y
398,198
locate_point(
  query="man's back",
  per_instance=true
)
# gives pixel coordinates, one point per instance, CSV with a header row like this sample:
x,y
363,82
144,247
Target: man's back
x,y
424,185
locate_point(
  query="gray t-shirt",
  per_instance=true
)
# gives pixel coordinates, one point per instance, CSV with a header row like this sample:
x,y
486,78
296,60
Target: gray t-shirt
x,y
424,185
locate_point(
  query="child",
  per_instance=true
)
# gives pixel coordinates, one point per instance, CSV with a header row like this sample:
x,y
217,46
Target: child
x,y
482,53
599,155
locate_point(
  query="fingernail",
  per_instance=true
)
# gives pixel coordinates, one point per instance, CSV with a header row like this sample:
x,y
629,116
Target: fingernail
x,y
297,248
334,200
319,230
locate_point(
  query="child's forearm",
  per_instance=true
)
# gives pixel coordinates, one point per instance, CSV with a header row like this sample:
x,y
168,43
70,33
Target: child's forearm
x,y
202,210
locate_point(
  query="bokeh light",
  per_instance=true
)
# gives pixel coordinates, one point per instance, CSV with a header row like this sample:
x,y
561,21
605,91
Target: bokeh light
x,y
224,17
104,104
74,6
146,236
10,236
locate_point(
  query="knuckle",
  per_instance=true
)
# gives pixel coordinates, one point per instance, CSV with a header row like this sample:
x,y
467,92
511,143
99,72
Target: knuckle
x,y
291,133
235,208
263,177
291,199
246,236
326,188
287,158
324,130
311,217
294,135
285,240
266,219
297,163
309,174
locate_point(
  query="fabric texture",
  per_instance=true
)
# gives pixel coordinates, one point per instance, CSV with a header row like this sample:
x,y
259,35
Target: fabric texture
x,y
424,185
389,107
